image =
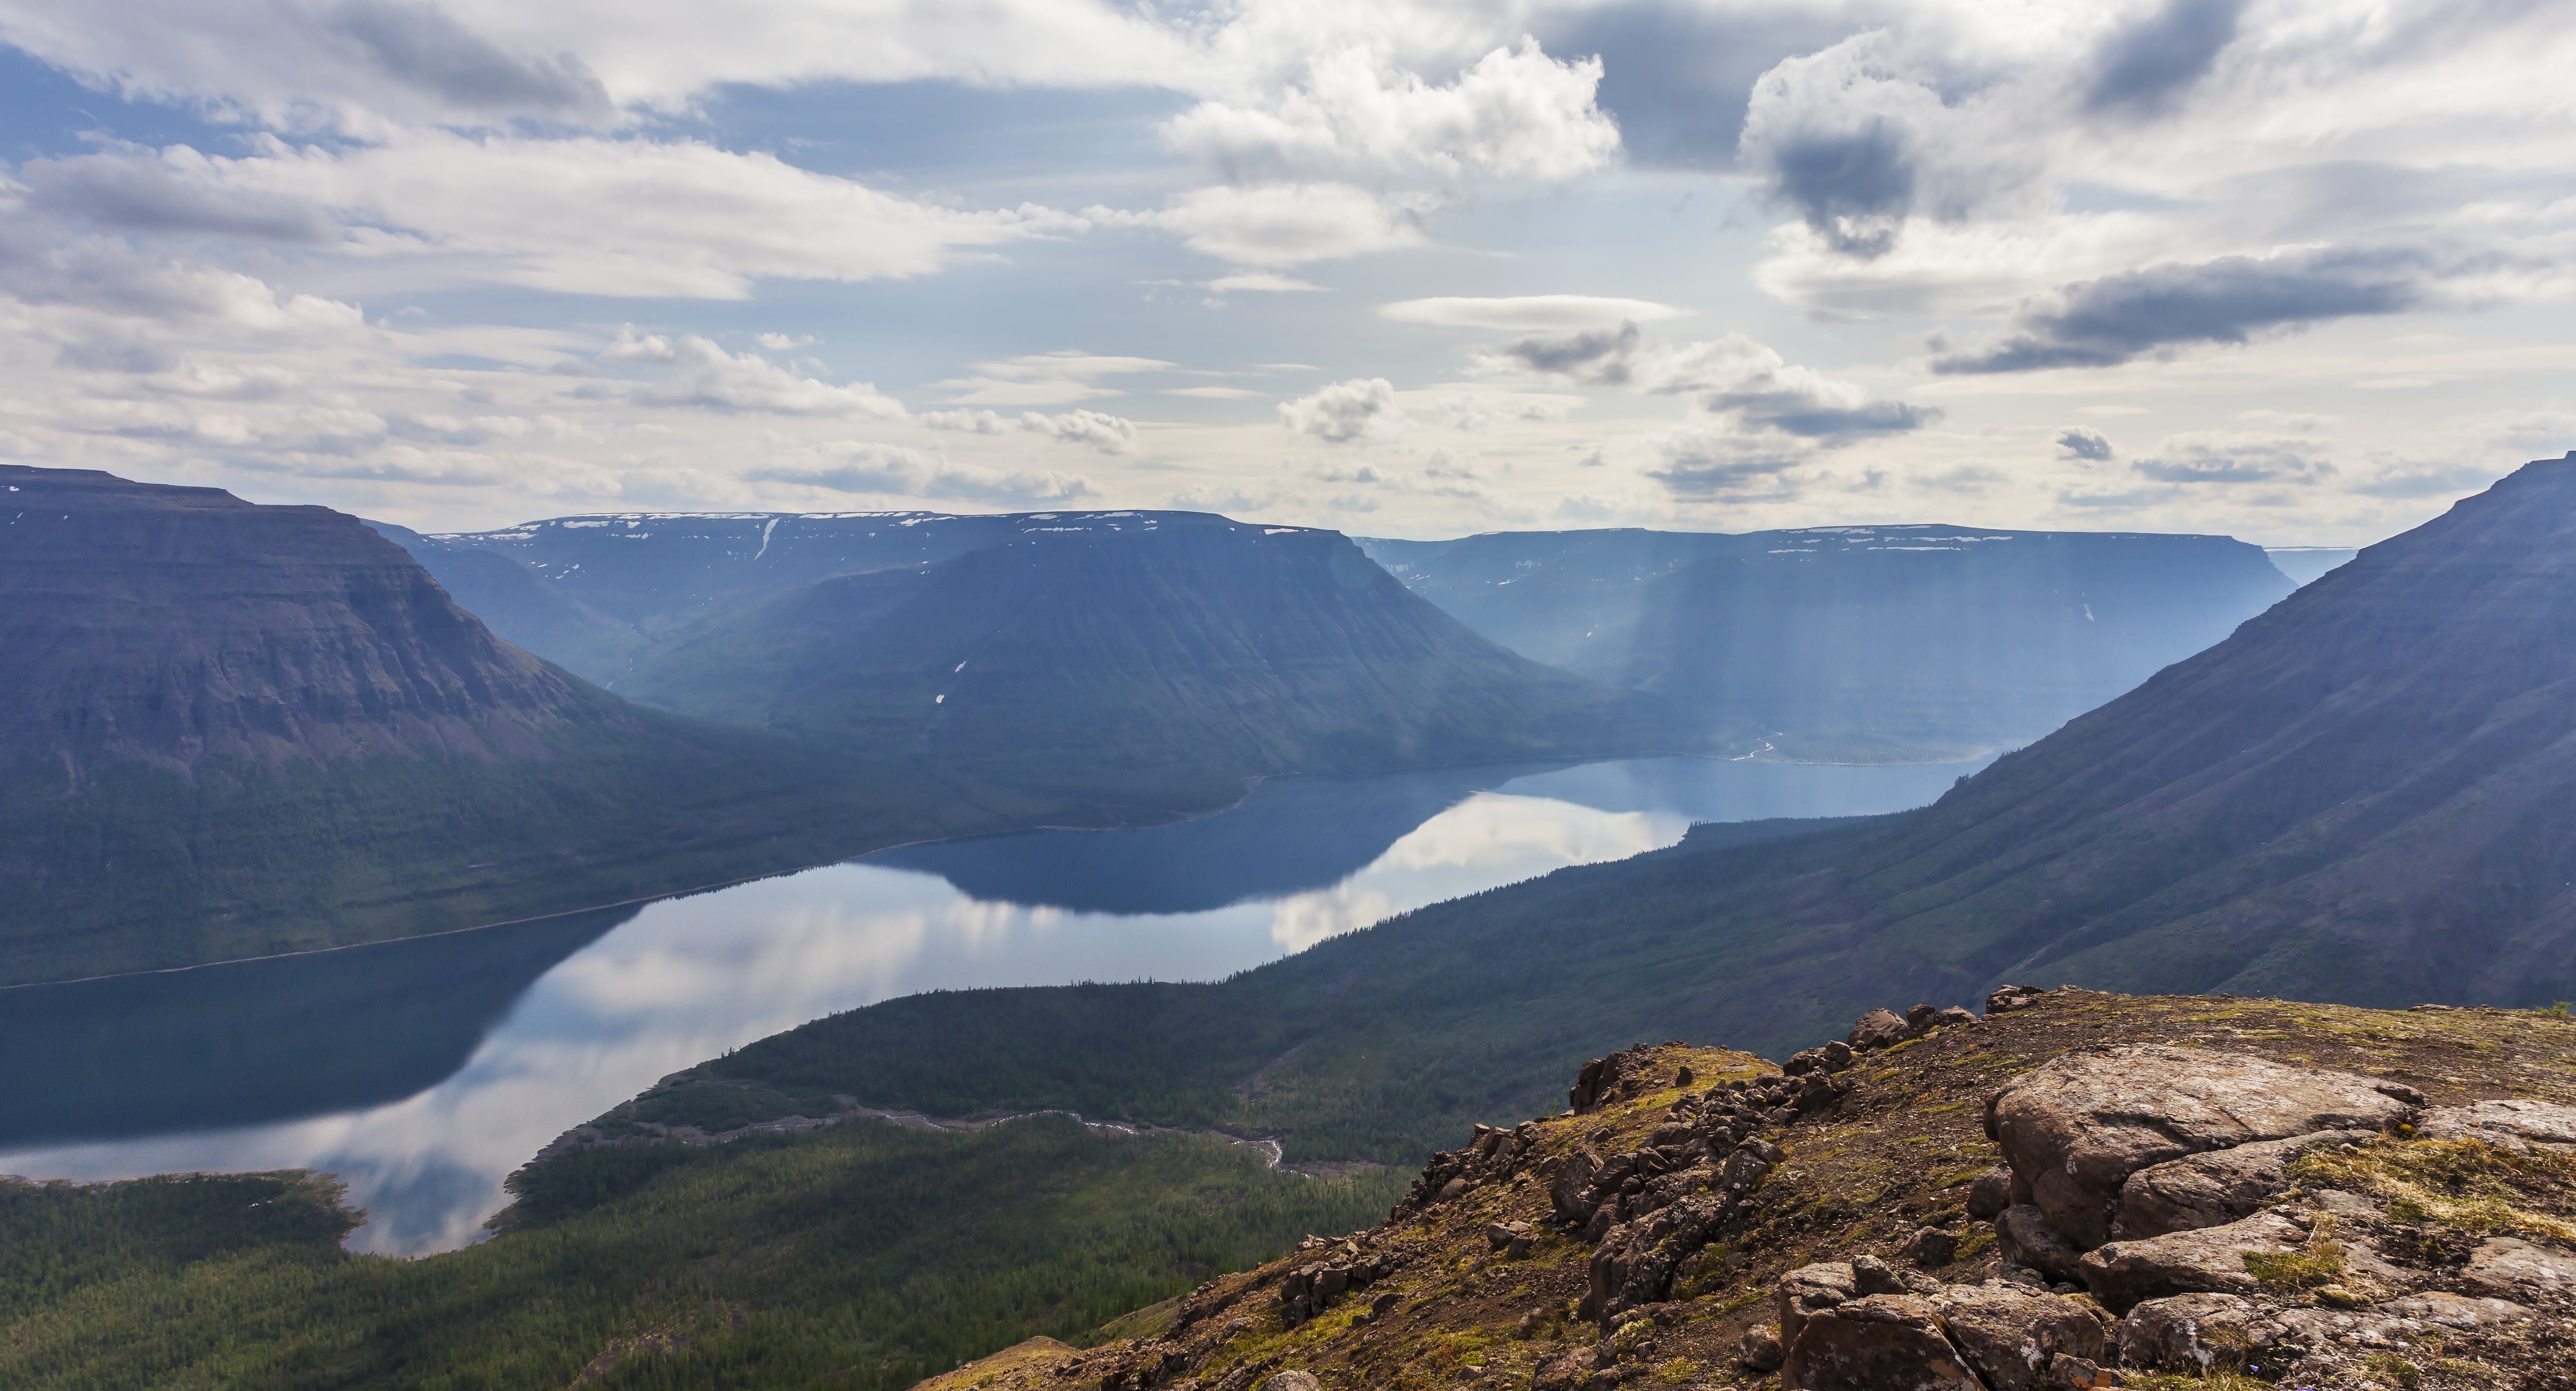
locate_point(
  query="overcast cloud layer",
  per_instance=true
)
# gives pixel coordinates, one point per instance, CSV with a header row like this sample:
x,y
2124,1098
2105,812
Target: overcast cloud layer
x,y
2299,272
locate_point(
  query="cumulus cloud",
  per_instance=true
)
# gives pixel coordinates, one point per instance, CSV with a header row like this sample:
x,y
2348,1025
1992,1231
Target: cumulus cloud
x,y
1514,112
2147,64
1342,412
704,375
2105,322
894,471
1529,313
2225,457
2077,442
1721,466
1732,376
1107,433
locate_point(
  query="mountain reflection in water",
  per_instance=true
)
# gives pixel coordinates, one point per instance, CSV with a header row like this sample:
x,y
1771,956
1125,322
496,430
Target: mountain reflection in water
x,y
422,1072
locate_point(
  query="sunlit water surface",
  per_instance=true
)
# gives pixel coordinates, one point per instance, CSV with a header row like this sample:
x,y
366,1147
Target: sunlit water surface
x,y
423,1072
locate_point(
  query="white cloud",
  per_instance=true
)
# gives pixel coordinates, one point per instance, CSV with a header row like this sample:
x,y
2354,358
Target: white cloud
x,y
1273,226
1107,433
705,375
1529,313
1342,412
1515,112
1263,282
1047,379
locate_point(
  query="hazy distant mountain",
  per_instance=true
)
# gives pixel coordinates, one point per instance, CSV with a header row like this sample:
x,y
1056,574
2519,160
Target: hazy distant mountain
x,y
1162,658
592,593
2361,796
2305,563
1853,642
231,730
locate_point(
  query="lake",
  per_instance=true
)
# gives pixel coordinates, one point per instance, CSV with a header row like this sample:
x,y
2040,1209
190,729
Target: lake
x,y
423,1072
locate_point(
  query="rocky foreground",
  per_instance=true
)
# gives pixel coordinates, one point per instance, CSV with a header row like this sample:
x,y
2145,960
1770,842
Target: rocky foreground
x,y
2077,1190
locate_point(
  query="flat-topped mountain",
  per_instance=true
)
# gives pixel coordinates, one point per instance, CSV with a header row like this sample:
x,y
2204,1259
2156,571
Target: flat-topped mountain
x,y
593,592
233,730
1167,656
1854,641
171,625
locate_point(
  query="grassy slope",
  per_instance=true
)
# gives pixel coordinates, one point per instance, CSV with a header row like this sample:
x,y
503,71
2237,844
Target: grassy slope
x,y
866,1255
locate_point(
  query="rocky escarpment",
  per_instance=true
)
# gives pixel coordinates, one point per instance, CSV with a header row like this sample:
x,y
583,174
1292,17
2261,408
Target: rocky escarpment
x,y
2075,1190
173,625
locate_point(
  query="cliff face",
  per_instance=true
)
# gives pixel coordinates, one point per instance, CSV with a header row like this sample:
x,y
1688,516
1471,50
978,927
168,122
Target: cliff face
x,y
2321,1197
171,625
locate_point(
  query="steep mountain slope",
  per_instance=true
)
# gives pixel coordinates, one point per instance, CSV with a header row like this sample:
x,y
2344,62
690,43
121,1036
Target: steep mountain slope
x,y
1853,642
592,592
2359,797
523,607
234,730
1163,658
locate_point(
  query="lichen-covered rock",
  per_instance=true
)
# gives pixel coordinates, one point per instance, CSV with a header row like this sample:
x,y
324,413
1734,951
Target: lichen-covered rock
x,y
2067,1372
2078,1127
2006,999
1877,1029
2504,1267
2457,1310
2203,1260
2512,1122
1883,1342
1810,1290
1566,1192
1930,1248
2214,1188
2195,1334
2025,1238
1760,1349
1293,1381
2008,1332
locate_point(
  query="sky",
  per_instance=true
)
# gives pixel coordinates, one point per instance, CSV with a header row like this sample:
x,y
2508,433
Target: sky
x,y
2295,272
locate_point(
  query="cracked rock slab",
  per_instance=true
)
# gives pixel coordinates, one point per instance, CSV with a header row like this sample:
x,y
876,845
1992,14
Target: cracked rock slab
x,y
2204,1260
2504,1267
2007,1333
2214,1188
2079,1126
1882,1342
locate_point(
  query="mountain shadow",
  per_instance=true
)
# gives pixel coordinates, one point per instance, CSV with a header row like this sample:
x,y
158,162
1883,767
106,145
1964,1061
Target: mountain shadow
x,y
233,731
255,1042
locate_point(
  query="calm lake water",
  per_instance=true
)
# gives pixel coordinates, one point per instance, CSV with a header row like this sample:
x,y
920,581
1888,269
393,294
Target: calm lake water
x,y
423,1072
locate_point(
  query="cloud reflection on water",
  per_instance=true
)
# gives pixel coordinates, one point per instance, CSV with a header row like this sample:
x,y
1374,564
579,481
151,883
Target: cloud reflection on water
x,y
687,979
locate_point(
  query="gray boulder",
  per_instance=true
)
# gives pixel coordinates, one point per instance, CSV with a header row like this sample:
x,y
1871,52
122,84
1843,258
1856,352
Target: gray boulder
x,y
2205,1260
2213,1189
2008,1333
2006,999
2078,1126
1760,1351
2195,1334
1292,1381
1990,1193
1883,1342
1810,1290
2457,1310
1877,1029
2024,1237
1573,1176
